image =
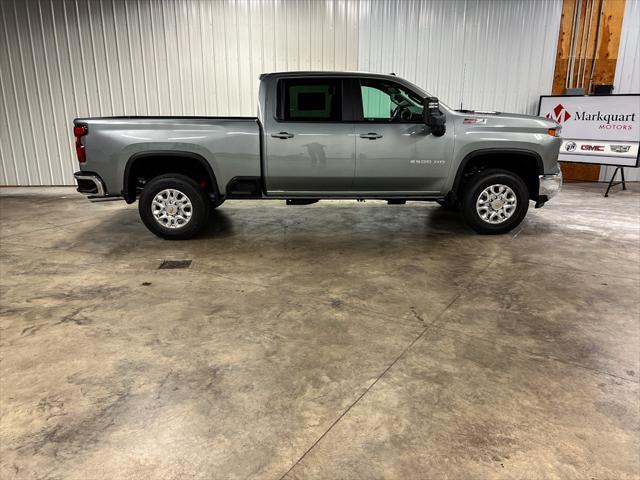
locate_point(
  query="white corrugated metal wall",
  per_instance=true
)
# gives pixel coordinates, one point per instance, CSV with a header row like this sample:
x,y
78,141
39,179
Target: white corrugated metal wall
x,y
480,54
65,58
62,59
627,78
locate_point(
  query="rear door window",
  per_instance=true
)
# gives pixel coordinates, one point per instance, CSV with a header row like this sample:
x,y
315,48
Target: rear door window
x,y
311,100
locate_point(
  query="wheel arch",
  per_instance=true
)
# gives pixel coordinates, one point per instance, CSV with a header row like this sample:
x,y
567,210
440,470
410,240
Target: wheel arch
x,y
161,159
526,163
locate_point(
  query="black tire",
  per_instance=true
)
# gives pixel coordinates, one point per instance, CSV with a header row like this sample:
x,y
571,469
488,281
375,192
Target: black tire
x,y
477,184
189,188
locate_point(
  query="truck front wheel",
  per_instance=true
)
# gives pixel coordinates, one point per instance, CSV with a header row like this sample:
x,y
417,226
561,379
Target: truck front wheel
x,y
494,201
173,207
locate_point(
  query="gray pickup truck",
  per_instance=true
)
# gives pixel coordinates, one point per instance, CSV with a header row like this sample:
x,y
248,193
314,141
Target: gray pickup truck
x,y
324,135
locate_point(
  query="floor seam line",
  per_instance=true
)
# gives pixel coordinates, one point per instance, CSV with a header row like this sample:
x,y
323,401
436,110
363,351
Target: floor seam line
x,y
562,267
51,247
46,228
348,409
389,316
533,354
394,362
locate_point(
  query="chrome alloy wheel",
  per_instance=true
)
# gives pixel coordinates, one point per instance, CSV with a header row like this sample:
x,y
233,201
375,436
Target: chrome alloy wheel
x,y
496,204
171,208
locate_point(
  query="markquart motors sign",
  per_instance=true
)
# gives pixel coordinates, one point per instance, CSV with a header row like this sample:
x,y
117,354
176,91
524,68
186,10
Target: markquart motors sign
x,y
598,129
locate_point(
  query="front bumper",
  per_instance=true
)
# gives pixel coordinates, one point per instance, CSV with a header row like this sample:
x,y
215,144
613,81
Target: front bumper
x,y
90,184
550,186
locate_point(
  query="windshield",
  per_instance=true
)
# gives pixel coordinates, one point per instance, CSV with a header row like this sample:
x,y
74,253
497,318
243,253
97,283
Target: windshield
x,y
424,93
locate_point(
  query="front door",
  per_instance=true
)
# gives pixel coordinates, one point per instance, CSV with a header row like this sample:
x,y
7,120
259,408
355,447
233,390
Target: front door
x,y
308,148
395,153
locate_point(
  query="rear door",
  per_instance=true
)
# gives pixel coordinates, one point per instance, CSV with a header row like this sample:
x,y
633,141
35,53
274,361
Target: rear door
x,y
308,147
395,153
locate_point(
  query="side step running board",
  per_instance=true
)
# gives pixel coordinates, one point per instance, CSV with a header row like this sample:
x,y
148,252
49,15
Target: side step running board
x,y
302,201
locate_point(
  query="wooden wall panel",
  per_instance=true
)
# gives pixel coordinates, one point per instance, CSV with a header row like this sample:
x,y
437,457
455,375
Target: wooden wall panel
x,y
606,53
611,29
563,49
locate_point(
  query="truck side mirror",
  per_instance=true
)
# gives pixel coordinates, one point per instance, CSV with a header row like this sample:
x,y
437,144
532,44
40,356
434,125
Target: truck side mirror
x,y
434,119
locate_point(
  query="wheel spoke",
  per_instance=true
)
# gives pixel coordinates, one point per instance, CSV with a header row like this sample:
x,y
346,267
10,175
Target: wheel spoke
x,y
171,208
496,203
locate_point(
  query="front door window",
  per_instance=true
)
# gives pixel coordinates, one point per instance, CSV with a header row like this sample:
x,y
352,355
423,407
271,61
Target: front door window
x,y
387,102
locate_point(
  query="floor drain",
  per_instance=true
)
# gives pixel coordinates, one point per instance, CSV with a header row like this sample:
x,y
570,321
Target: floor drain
x,y
175,264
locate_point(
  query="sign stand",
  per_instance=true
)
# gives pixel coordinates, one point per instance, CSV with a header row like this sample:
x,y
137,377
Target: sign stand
x,y
613,183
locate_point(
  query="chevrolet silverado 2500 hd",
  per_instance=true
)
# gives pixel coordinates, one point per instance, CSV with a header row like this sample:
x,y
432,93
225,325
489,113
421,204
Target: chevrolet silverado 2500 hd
x,y
323,135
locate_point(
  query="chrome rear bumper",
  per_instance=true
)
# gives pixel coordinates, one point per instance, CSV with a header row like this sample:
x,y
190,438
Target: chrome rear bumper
x,y
90,184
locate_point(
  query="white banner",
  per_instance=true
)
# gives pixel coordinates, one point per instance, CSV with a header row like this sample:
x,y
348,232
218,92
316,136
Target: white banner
x,y
596,129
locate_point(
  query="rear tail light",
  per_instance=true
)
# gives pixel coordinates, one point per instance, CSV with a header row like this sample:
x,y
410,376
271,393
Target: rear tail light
x,y
80,131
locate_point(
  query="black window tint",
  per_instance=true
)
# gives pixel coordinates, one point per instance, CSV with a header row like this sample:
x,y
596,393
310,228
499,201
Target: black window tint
x,y
312,100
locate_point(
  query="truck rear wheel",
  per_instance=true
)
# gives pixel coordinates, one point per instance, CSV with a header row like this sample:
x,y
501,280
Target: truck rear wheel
x,y
173,207
494,201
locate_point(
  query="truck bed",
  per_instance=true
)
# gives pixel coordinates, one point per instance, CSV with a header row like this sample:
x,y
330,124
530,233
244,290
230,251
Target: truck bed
x,y
231,145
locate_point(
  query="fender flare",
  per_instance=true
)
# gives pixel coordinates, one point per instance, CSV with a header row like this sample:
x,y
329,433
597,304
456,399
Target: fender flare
x,y
488,151
164,153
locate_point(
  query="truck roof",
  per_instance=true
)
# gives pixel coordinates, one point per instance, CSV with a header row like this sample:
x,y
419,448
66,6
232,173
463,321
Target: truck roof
x,y
328,74
383,76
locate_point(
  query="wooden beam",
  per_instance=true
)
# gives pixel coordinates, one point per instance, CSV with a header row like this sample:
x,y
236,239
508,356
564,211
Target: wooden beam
x,y
584,32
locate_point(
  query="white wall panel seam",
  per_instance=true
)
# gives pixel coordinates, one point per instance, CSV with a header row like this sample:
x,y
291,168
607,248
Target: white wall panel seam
x,y
4,131
94,56
238,62
57,174
82,56
17,131
4,160
116,44
28,102
144,63
43,133
106,53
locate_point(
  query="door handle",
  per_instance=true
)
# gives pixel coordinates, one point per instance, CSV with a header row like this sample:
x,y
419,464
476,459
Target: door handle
x,y
370,136
282,135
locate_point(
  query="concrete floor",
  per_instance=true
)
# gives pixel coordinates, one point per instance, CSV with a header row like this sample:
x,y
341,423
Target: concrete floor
x,y
338,340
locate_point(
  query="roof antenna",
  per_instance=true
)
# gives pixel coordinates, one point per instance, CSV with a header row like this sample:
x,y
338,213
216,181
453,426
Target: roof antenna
x,y
392,74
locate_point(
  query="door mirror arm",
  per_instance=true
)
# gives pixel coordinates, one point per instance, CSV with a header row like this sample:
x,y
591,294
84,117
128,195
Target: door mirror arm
x,y
434,119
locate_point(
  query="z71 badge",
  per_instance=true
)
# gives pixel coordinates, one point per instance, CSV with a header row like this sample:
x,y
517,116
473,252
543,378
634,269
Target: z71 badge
x,y
475,121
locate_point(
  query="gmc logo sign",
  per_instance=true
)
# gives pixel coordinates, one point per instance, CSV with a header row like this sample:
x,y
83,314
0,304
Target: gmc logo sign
x,y
592,148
